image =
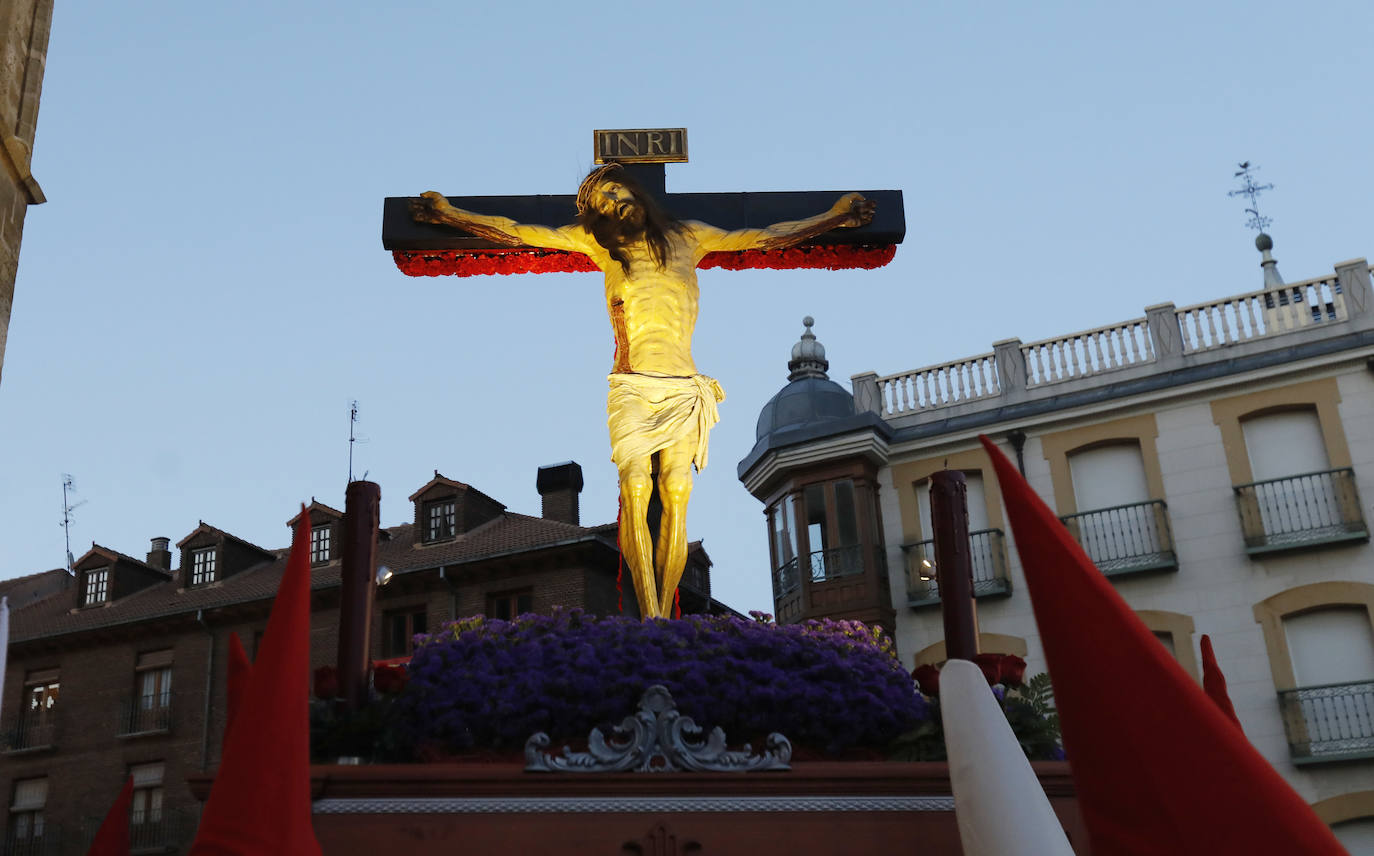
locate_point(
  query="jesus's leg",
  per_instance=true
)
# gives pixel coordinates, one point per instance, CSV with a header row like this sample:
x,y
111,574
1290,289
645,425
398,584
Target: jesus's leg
x,y
636,546
674,489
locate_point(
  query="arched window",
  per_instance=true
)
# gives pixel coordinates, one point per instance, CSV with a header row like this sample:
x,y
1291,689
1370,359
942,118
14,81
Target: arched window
x,y
1320,640
1296,497
1290,467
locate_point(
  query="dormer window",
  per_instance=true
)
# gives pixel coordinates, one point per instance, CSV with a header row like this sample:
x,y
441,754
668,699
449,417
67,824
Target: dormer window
x,y
203,566
321,544
97,586
441,519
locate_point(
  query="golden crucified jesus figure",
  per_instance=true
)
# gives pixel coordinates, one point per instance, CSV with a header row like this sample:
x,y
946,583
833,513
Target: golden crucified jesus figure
x,y
658,403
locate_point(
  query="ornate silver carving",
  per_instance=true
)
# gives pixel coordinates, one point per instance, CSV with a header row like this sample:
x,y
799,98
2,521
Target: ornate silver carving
x,y
657,739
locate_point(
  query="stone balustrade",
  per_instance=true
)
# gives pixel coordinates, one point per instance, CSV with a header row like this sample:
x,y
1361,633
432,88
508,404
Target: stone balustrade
x,y
1087,353
1168,338
1259,314
939,386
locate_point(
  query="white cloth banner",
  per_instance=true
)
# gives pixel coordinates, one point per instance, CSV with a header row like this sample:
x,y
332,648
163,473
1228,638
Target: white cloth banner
x,y
998,801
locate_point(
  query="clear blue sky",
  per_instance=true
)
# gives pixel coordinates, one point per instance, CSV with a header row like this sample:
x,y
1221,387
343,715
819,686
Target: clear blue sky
x,y
205,290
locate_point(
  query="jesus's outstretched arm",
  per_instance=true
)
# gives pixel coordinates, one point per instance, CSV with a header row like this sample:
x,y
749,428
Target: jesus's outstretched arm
x,y
848,211
432,207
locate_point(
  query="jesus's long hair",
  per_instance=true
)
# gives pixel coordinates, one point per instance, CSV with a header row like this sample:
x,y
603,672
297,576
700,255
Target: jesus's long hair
x,y
613,233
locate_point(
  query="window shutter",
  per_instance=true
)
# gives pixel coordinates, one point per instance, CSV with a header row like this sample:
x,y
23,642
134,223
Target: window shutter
x,y
30,795
43,676
147,775
154,659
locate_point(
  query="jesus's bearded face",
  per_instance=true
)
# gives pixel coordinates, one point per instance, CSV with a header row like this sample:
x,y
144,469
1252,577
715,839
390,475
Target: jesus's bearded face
x,y
612,199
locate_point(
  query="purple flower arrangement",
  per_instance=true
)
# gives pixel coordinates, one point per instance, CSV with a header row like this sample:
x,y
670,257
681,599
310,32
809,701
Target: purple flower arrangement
x,y
481,683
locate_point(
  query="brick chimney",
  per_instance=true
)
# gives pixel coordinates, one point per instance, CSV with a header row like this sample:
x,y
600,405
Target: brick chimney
x,y
558,486
159,556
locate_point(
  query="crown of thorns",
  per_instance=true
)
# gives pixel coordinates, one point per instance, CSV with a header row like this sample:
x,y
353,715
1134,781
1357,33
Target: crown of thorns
x,y
594,178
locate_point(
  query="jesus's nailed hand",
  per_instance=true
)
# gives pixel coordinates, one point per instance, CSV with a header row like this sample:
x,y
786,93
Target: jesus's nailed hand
x,y
428,208
857,210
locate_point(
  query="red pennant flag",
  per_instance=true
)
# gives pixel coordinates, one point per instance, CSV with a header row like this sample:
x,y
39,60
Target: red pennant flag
x,y
1214,682
260,802
1157,767
112,839
240,673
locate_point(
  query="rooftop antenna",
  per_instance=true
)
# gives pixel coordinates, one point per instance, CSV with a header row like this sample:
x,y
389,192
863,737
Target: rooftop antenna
x,y
353,438
68,487
1252,192
352,420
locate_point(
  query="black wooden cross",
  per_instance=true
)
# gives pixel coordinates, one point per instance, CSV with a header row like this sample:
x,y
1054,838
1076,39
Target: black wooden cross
x,y
424,249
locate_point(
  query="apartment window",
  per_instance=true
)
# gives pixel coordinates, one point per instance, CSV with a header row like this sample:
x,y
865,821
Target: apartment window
x,y
26,815
320,544
507,605
97,586
782,525
35,726
441,519
1290,466
987,550
1295,496
146,808
40,693
1119,526
399,628
1321,647
203,566
149,710
832,530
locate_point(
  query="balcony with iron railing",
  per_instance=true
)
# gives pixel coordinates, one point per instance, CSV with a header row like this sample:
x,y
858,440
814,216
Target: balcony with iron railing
x,y
31,733
786,578
151,830
23,842
1296,512
988,554
1125,355
837,562
821,566
1126,539
142,715
1333,722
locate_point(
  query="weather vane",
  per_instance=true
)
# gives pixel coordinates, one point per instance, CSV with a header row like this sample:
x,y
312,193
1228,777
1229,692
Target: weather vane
x,y
1252,190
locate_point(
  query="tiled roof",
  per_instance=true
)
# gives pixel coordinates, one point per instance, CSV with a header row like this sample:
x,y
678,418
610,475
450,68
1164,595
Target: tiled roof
x,y
315,505
206,527
23,591
507,535
115,555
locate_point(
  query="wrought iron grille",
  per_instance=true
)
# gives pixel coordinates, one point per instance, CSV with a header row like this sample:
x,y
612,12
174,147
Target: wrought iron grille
x,y
785,579
1300,511
144,714
1126,539
836,562
1329,723
30,732
47,841
988,553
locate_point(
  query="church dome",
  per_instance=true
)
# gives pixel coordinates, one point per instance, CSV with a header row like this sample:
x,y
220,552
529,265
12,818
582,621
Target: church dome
x,y
811,396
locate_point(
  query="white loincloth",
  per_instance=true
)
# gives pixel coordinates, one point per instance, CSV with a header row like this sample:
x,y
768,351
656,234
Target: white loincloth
x,y
647,413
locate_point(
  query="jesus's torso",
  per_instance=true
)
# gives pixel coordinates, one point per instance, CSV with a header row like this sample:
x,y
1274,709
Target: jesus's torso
x,y
653,310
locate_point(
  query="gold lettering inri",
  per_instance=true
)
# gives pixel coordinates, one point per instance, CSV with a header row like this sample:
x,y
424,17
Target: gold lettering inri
x,y
641,145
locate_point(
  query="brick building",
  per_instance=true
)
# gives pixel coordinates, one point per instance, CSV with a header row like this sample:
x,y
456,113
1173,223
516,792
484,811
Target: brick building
x,y
119,669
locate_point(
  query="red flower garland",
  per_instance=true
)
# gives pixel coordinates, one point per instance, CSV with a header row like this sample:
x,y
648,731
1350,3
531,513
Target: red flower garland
x,y
501,261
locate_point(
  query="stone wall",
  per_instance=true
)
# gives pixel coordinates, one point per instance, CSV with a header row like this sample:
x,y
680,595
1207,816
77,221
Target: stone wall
x,y
23,52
